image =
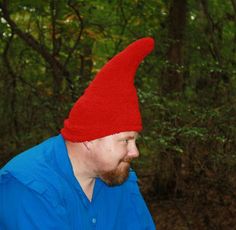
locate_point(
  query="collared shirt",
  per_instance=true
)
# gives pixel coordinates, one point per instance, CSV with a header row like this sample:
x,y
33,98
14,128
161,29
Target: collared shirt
x,y
38,190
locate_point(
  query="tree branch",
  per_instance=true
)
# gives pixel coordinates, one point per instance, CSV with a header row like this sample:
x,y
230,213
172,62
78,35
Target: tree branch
x,y
15,76
72,50
12,88
53,17
212,25
234,6
30,40
56,41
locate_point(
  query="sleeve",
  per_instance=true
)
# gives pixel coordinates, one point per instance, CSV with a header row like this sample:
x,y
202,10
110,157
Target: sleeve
x,y
22,208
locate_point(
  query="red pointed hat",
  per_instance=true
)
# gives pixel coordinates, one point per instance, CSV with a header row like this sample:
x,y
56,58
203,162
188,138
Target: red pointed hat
x,y
110,104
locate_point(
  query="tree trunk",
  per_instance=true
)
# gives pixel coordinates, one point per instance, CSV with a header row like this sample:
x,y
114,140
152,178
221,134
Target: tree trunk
x,y
172,80
86,64
10,84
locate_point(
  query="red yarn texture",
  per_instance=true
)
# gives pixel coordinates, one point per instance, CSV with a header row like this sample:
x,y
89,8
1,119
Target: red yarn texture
x,y
110,104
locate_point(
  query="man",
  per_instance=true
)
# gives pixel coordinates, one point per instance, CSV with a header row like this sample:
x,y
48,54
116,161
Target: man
x,y
81,179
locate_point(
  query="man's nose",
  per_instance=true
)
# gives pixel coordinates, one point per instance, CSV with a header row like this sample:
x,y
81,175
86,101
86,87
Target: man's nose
x,y
133,151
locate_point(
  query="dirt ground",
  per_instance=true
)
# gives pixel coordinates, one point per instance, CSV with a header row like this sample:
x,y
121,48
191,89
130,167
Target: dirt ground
x,y
185,214
204,203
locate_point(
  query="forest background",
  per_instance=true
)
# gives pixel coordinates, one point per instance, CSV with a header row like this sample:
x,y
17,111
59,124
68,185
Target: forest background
x,y
51,50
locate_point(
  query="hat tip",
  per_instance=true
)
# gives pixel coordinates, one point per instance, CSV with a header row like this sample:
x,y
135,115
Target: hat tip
x,y
147,42
150,41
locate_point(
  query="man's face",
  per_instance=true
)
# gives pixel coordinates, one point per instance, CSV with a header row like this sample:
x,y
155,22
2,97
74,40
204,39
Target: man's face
x,y
112,156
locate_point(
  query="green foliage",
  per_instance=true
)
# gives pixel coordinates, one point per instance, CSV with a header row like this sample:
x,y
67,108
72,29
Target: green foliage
x,y
188,136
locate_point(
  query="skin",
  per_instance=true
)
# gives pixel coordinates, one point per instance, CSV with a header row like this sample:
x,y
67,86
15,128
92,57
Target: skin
x,y
107,158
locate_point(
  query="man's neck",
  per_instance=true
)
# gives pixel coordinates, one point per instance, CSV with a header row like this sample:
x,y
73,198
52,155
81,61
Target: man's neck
x,y
88,187
81,169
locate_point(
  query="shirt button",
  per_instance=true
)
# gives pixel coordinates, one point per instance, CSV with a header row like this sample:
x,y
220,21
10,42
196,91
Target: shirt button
x,y
94,220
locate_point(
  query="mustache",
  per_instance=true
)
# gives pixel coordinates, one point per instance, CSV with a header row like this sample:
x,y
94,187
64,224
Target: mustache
x,y
127,159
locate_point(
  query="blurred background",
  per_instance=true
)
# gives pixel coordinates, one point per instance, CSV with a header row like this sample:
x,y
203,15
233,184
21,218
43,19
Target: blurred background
x,y
51,50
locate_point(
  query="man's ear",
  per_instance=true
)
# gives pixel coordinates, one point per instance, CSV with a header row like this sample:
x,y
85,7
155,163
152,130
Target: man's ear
x,y
87,145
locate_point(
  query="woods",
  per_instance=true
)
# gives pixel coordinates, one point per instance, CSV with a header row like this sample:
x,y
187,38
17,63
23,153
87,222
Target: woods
x,y
51,50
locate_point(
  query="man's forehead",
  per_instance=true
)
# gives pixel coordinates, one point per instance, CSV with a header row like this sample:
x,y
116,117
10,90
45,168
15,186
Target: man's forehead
x,y
131,134
120,135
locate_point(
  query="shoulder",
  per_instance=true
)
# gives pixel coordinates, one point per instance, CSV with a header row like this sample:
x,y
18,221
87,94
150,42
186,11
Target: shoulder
x,y
131,184
32,170
135,205
29,164
30,203
30,157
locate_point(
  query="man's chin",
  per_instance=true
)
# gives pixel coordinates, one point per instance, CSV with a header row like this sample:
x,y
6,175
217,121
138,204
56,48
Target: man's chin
x,y
117,176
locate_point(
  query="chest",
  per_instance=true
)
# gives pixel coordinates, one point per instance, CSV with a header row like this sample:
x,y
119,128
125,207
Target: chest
x,y
107,208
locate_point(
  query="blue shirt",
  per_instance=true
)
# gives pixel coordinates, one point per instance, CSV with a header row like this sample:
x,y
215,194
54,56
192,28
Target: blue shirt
x,y
38,190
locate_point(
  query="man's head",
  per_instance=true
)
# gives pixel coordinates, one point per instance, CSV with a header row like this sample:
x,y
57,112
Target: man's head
x,y
106,118
112,156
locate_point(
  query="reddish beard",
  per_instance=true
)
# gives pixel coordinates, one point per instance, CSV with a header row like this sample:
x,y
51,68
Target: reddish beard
x,y
118,175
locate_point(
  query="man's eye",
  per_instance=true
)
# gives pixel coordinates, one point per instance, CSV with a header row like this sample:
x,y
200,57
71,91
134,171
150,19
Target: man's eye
x,y
126,141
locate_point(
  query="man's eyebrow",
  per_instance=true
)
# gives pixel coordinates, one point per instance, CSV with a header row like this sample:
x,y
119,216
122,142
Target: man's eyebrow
x,y
130,137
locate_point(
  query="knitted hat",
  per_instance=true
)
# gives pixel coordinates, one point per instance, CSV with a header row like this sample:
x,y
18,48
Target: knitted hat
x,y
110,104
